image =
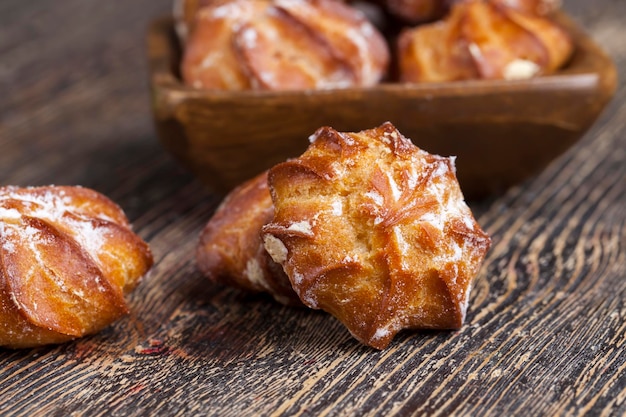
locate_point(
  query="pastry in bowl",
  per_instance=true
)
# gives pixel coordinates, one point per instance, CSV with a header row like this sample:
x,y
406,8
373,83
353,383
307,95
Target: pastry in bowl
x,y
230,250
184,12
486,40
375,231
282,45
68,258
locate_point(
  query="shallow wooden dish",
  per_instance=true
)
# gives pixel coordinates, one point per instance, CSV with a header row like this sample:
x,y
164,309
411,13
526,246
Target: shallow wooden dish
x,y
501,131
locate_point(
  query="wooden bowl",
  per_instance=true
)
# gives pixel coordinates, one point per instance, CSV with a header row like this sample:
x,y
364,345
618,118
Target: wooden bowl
x,y
501,131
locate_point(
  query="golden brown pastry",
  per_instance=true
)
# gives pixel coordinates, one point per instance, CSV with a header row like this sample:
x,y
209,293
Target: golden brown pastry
x,y
184,13
436,52
283,45
68,257
375,231
484,39
231,251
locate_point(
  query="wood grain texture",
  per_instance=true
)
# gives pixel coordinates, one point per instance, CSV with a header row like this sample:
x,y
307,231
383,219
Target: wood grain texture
x,y
546,327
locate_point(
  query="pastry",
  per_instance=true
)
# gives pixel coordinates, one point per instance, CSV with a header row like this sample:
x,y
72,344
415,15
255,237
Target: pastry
x,y
484,39
436,52
282,45
68,257
375,231
230,250
184,12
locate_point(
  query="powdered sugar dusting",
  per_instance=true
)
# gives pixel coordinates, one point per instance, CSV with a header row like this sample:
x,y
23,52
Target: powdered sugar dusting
x,y
8,246
433,219
441,170
375,197
381,333
337,207
354,258
310,299
403,221
87,234
249,37
48,205
6,214
224,11
58,209
297,277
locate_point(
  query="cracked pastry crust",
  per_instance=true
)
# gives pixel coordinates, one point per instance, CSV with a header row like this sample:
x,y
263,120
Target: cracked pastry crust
x,y
493,39
375,231
67,258
282,45
230,250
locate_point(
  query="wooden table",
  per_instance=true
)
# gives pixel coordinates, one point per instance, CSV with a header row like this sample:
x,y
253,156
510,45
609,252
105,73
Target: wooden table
x,y
547,321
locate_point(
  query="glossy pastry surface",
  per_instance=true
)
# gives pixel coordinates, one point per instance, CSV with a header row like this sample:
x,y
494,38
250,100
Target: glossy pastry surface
x,y
283,45
375,231
484,39
230,250
68,256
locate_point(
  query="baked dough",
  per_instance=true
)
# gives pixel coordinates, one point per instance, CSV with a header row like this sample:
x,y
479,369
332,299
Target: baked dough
x,y
67,258
283,45
184,13
493,39
376,232
230,250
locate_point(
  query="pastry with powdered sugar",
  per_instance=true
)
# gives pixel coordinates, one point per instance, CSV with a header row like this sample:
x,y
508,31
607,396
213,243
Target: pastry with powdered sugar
x,y
282,45
486,39
68,258
375,231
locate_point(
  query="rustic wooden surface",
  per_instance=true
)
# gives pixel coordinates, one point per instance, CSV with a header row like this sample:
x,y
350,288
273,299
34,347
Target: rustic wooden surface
x,y
546,326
